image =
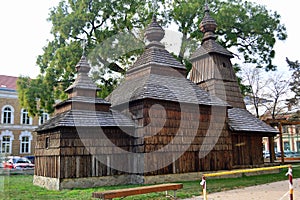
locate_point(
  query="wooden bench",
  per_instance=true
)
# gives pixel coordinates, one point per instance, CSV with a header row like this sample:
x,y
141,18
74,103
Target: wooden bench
x,y
110,194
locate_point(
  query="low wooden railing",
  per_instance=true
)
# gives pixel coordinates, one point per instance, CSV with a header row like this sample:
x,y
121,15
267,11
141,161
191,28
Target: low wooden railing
x,y
110,194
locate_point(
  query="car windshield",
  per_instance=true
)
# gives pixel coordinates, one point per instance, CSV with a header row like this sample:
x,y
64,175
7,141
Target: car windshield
x,y
23,160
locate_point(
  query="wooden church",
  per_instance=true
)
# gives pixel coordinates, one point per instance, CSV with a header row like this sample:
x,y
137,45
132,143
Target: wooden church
x,y
156,126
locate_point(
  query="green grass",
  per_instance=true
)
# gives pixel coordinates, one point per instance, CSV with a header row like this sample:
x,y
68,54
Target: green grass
x,y
20,187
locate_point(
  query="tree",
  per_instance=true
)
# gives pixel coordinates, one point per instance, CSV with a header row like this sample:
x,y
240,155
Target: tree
x,y
253,78
74,22
249,27
278,89
268,92
295,81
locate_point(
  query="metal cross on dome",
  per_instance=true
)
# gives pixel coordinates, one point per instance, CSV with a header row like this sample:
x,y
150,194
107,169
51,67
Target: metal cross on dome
x,y
154,6
206,5
83,45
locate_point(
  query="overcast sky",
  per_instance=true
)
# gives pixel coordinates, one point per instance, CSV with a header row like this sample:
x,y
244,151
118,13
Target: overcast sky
x,y
25,30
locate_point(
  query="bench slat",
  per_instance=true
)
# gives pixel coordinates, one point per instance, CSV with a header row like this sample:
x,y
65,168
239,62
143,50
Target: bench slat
x,y
136,191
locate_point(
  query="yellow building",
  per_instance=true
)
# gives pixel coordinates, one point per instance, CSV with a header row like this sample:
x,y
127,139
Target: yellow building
x,y
290,128
17,135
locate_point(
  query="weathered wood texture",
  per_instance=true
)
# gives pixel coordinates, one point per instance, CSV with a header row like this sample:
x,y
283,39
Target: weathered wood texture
x,y
110,194
72,155
215,74
247,150
169,130
212,66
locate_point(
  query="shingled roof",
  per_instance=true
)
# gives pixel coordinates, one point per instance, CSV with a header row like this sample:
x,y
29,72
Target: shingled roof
x,y
158,56
86,109
83,81
160,87
158,75
81,118
83,99
210,46
241,120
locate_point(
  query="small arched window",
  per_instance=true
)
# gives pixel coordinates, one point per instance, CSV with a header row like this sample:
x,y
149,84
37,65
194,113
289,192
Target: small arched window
x,y
6,138
25,119
44,117
7,115
25,142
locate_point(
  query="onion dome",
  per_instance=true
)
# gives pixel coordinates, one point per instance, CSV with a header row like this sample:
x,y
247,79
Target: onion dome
x,y
83,81
208,25
83,66
154,33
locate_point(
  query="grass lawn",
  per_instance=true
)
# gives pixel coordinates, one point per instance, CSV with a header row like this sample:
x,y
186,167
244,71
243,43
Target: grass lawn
x,y
20,187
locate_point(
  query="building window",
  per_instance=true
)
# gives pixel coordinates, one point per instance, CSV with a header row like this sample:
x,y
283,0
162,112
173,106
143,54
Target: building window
x,y
286,146
47,143
284,129
6,138
25,142
44,117
7,115
297,129
298,146
25,119
275,146
6,144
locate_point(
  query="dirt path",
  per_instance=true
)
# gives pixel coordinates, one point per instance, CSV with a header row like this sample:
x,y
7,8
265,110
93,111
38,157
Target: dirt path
x,y
272,191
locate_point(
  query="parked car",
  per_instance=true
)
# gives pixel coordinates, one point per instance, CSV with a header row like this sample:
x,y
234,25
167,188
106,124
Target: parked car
x,y
266,154
15,162
31,158
2,159
278,154
289,154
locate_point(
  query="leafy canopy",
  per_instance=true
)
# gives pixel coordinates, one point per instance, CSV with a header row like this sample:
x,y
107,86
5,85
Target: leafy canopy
x,y
248,27
295,81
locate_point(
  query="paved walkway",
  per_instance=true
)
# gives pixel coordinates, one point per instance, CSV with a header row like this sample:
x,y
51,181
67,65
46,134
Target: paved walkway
x,y
272,191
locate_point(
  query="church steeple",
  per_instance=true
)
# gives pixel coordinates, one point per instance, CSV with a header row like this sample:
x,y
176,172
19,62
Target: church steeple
x,y
208,25
154,33
212,69
83,84
155,59
82,94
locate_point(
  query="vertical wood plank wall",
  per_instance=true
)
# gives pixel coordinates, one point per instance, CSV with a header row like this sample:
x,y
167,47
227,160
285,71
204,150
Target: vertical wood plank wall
x,y
247,149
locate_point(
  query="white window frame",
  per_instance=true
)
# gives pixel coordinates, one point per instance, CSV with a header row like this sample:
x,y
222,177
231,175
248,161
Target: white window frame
x,y
12,114
24,111
44,116
11,135
25,134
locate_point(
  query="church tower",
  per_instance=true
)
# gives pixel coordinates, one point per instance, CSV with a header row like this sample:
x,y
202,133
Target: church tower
x,y
212,69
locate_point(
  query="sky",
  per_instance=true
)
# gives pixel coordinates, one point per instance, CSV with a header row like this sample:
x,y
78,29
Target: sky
x,y
25,31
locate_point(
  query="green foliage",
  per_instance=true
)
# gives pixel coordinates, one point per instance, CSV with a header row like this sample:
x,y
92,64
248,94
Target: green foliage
x,y
294,84
248,27
113,33
252,29
75,21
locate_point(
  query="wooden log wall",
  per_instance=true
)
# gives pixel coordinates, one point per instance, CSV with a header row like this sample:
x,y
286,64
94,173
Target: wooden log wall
x,y
70,155
157,136
47,158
